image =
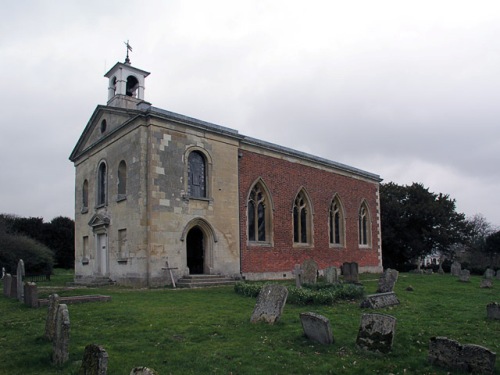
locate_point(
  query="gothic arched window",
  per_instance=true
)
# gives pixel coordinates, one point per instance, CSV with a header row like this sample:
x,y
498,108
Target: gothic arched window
x,y
336,222
301,219
259,215
197,175
364,225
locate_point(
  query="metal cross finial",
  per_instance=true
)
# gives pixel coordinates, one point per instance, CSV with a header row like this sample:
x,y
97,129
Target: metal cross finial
x,y
129,48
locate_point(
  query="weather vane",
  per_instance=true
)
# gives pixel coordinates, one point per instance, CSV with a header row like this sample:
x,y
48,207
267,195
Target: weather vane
x,y
129,48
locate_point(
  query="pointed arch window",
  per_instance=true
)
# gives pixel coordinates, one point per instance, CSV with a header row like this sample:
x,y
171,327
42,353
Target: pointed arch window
x,y
197,175
336,223
122,180
301,219
259,214
102,185
364,225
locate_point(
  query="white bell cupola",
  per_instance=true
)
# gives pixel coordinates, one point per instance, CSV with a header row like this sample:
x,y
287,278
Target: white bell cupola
x,y
126,85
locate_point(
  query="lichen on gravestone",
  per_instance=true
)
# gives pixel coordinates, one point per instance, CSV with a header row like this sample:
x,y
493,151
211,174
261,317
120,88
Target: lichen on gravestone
x,y
95,360
50,321
270,303
60,344
376,332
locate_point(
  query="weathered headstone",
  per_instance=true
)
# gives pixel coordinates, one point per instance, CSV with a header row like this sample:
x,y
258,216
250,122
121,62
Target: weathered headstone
x,y
464,276
270,303
297,272
317,328
380,300
387,281
20,280
376,332
7,280
60,345
455,269
30,294
310,271
143,371
350,272
451,354
493,310
13,286
486,283
331,275
50,322
95,360
489,273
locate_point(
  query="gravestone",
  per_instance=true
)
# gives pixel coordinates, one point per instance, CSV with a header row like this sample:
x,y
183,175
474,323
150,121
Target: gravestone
x,y
20,284
331,275
30,294
379,300
270,303
95,360
376,332
489,273
60,345
13,287
493,311
455,269
309,271
464,276
143,371
316,328
452,355
486,283
498,274
350,272
50,321
7,280
297,272
387,281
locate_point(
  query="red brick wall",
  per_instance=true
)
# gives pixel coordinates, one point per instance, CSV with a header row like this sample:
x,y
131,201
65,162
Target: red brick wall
x,y
284,179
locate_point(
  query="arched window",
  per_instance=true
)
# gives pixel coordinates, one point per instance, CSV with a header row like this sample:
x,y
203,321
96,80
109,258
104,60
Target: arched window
x,y
364,225
132,86
85,196
197,175
259,215
101,185
122,180
301,219
336,222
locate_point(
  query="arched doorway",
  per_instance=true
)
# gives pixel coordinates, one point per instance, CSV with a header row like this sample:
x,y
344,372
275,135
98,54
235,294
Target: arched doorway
x,y
195,251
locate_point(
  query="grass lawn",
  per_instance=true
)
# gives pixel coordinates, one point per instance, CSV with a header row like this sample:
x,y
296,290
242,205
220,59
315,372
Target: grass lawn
x,y
207,331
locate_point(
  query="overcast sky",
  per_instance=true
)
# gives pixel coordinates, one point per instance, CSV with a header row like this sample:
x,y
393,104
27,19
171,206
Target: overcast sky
x,y
408,90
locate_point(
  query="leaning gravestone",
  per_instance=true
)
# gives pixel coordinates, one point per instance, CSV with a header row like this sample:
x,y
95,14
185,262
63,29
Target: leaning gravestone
x,y
493,311
297,272
451,354
143,371
30,294
50,322
387,281
309,271
379,300
464,276
489,273
456,267
60,345
376,332
20,276
350,272
7,280
331,275
270,303
316,327
95,360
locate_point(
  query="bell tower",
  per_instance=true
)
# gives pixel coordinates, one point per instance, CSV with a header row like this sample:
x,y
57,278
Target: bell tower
x,y
126,84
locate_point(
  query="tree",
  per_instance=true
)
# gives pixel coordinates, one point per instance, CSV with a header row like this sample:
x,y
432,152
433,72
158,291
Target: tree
x,y
416,222
492,248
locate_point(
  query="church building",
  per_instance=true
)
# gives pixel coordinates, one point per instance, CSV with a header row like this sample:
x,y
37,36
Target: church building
x,y
158,192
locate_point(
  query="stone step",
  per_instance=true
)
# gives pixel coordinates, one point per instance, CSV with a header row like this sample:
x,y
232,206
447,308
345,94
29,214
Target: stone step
x,y
203,281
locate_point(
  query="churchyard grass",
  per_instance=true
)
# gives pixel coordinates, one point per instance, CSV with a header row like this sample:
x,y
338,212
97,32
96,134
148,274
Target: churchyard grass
x,y
207,331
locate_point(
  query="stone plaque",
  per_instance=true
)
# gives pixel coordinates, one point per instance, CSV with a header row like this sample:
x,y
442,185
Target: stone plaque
x,y
60,345
493,311
7,280
331,275
468,358
464,276
95,360
30,294
309,271
380,300
456,267
316,327
350,272
20,284
376,332
270,303
387,281
50,321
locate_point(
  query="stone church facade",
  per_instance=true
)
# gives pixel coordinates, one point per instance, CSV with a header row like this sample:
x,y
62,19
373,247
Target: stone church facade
x,y
154,187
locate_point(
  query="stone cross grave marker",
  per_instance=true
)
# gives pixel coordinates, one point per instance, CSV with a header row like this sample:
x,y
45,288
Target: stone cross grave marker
x,y
456,267
50,322
493,310
297,272
464,276
331,275
270,303
451,354
309,271
60,345
317,328
20,275
350,272
30,294
7,280
387,281
489,273
143,371
376,332
95,360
